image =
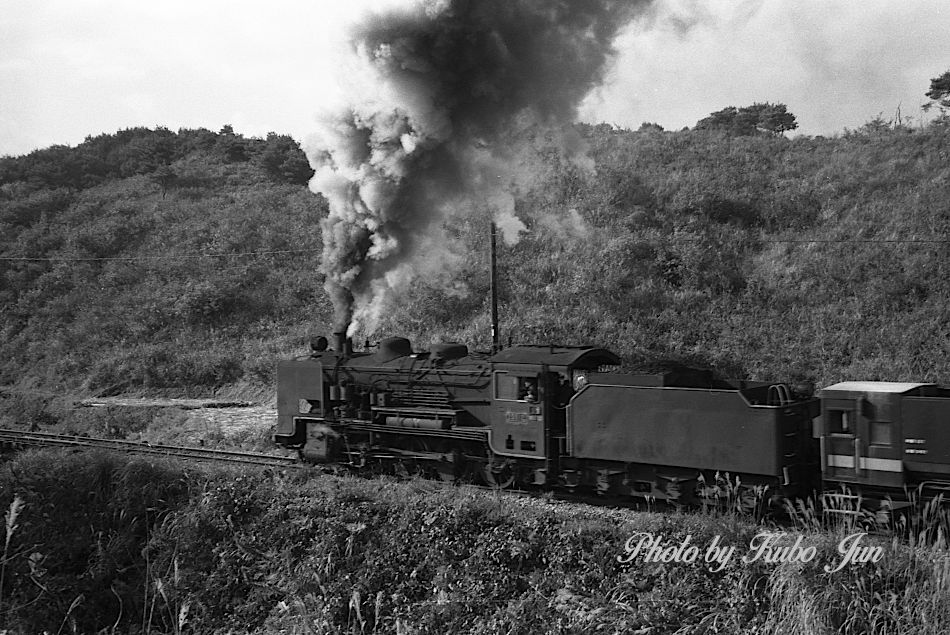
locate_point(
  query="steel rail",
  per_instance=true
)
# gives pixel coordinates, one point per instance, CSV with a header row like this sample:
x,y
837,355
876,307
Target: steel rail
x,y
20,437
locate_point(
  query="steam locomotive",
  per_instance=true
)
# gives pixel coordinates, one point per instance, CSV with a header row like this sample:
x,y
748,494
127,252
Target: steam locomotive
x,y
561,417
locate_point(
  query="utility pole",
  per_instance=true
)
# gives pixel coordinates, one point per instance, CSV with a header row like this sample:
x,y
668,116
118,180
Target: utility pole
x,y
494,292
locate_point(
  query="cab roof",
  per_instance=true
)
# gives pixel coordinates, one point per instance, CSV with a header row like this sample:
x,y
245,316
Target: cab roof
x,y
874,386
584,356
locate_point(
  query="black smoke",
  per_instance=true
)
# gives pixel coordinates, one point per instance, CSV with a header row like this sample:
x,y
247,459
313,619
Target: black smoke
x,y
441,92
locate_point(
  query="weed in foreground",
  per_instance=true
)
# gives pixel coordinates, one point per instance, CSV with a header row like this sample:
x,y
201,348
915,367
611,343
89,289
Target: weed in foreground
x,y
10,527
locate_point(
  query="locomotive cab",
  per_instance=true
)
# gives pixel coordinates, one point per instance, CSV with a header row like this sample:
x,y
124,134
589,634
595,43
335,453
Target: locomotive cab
x,y
531,387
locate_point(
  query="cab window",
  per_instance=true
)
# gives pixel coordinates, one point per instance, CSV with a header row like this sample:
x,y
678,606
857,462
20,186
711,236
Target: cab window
x,y
515,388
506,386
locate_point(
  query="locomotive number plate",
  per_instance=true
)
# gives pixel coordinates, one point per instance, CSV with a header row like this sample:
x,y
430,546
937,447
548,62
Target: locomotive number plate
x,y
516,417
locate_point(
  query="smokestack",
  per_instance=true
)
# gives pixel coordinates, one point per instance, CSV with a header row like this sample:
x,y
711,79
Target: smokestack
x,y
454,93
343,344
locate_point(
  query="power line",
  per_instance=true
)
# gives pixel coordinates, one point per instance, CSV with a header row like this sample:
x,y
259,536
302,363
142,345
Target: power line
x,y
198,255
835,241
174,257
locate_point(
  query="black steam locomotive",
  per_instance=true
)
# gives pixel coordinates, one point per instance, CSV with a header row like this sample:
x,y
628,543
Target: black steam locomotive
x,y
555,417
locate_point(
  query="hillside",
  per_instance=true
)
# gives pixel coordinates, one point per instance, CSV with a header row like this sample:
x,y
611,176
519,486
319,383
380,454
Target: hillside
x,y
154,261
144,284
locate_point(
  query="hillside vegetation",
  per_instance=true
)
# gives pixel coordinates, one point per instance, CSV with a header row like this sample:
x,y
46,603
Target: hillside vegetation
x,y
145,283
184,262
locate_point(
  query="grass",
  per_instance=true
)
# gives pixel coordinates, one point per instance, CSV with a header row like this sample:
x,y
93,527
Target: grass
x,y
76,558
163,547
10,526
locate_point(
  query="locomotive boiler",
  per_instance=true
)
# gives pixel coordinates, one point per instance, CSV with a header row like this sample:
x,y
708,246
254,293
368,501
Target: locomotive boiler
x,y
545,416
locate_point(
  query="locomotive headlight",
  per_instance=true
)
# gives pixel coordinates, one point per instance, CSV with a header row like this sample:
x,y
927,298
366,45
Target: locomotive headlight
x,y
580,380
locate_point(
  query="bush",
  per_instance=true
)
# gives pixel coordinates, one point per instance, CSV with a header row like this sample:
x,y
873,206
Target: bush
x,y
76,554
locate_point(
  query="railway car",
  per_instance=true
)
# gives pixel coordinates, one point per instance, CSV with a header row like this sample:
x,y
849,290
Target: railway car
x,y
555,417
885,438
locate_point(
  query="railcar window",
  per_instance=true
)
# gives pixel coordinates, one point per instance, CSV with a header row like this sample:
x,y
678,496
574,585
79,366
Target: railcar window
x,y
881,432
840,422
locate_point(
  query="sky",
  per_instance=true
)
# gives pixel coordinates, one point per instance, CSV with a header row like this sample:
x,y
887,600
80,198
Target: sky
x,y
74,68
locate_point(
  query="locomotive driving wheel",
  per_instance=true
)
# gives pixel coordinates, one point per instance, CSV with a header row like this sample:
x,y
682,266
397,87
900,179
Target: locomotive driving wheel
x,y
451,468
500,474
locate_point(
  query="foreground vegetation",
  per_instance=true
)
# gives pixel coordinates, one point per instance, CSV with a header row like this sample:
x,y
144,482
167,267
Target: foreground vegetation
x,y
96,543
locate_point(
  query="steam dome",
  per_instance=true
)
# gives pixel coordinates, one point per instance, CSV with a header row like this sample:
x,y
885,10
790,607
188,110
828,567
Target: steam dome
x,y
393,348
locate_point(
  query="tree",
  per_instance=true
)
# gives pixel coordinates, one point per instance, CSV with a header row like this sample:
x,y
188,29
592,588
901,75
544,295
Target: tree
x,y
284,161
939,91
164,177
757,118
725,119
232,148
771,118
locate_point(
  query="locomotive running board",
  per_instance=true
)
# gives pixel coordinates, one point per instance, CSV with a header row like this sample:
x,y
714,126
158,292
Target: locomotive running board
x,y
471,434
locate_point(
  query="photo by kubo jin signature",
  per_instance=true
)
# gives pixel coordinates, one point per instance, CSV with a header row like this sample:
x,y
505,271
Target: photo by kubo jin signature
x,y
768,547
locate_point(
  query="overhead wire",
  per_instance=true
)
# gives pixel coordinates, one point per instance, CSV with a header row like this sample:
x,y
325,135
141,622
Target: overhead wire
x,y
198,255
148,258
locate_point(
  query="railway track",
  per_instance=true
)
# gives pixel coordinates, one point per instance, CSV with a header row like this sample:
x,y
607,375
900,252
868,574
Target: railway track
x,y
19,438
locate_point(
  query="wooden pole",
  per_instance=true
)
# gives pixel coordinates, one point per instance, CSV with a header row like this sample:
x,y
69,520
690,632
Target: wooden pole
x,y
494,292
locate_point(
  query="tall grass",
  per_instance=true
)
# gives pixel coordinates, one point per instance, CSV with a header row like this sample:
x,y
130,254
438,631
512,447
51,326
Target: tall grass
x,y
90,516
10,527
926,523
139,545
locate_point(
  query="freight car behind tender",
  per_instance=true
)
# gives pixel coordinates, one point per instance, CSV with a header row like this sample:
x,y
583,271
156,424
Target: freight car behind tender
x,y
882,438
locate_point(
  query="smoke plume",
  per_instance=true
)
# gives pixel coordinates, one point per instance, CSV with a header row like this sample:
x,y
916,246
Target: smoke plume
x,y
440,91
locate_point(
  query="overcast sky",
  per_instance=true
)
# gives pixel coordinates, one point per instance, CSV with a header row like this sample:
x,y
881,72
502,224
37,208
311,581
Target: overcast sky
x,y
72,68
